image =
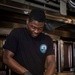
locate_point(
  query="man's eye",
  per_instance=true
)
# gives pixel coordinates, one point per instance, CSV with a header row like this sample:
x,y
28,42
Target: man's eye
x,y
40,28
33,27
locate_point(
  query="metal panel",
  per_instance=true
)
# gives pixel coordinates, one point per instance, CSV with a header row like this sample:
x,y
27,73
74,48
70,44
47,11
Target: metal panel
x,y
63,7
38,5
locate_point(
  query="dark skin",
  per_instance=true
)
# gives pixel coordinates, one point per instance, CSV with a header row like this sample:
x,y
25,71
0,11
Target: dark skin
x,y
34,28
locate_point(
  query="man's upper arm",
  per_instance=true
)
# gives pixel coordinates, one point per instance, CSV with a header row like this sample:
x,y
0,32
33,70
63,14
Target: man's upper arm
x,y
50,59
7,54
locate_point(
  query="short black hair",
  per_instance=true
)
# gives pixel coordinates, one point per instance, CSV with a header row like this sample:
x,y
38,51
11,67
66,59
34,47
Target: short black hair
x,y
37,14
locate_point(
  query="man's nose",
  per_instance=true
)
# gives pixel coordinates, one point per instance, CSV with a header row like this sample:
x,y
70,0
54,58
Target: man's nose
x,y
36,31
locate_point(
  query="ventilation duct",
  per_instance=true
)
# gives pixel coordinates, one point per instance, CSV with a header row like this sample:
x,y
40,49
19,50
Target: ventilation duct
x,y
52,25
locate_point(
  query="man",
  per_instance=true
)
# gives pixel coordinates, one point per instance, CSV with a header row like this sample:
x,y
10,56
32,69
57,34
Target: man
x,y
28,51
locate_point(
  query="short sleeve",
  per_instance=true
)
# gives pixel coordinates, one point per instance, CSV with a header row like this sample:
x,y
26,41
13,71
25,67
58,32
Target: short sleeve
x,y
11,42
50,50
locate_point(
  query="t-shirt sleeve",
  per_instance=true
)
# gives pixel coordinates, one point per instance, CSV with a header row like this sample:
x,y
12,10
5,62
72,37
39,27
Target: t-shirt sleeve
x,y
50,50
11,42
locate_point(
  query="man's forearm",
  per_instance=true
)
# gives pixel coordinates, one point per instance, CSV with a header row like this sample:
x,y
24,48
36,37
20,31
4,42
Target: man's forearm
x,y
15,66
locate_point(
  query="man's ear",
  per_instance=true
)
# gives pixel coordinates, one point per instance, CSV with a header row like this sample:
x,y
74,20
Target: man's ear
x,y
27,21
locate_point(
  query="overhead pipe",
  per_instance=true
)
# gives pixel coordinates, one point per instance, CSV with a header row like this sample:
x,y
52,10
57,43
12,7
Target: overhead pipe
x,y
72,3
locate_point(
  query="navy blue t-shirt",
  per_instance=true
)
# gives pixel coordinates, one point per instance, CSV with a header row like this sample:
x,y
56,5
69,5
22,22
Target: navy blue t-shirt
x,y
29,52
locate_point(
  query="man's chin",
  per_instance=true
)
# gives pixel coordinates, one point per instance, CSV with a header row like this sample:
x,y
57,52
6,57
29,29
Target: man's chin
x,y
34,36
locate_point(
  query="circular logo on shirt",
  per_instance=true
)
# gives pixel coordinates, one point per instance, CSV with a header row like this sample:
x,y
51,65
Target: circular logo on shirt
x,y
43,48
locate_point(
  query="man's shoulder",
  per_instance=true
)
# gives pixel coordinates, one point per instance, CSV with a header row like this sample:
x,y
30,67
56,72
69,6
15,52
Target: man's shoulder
x,y
46,35
16,30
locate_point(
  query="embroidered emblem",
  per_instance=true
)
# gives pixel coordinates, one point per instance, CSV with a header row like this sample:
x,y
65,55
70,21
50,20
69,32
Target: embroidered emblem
x,y
43,48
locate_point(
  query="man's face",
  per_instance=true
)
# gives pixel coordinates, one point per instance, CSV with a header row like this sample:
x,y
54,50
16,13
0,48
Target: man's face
x,y
35,28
